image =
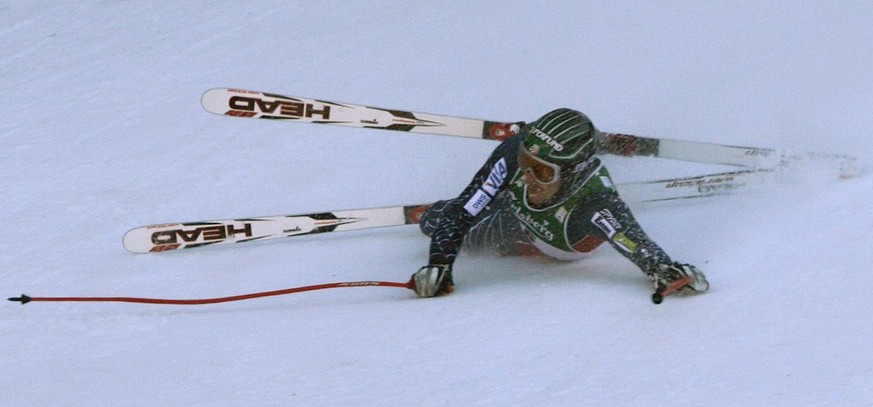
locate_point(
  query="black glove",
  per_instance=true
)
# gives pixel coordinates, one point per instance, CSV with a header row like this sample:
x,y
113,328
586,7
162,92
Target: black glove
x,y
433,280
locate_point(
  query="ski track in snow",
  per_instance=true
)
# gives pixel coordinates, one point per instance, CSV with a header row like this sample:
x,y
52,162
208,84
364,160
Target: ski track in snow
x,y
102,131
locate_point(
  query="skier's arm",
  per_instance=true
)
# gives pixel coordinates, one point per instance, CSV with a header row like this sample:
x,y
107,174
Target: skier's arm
x,y
614,222
457,215
630,240
608,217
449,221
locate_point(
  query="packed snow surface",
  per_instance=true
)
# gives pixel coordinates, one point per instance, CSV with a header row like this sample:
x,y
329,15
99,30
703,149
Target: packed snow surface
x,y
102,131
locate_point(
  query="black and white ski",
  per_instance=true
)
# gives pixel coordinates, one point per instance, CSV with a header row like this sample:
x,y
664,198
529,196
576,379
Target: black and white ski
x,y
262,105
188,235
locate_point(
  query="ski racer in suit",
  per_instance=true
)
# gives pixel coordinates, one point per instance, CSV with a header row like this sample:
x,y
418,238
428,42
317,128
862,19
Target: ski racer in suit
x,y
545,192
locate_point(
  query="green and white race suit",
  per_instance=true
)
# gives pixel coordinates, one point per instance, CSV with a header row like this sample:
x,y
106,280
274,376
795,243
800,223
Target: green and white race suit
x,y
493,214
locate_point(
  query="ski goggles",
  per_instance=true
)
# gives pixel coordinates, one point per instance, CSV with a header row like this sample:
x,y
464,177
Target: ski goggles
x,y
542,171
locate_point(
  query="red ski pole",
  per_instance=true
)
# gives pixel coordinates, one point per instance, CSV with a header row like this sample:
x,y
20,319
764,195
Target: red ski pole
x,y
24,299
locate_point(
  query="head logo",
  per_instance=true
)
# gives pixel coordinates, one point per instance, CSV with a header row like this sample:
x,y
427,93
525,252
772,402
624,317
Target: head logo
x,y
284,107
200,234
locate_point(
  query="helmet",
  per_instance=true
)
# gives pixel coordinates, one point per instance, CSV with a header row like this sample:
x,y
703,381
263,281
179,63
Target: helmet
x,y
564,138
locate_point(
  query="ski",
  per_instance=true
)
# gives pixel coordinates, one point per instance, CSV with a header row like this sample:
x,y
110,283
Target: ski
x,y
757,158
262,105
189,235
724,183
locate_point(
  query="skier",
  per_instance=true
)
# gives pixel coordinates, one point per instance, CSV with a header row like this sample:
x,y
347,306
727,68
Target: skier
x,y
545,192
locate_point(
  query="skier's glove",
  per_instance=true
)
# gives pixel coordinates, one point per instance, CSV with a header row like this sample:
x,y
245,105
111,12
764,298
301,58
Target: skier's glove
x,y
677,278
433,280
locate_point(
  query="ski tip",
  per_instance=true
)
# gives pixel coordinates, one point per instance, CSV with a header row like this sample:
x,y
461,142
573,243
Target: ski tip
x,y
24,299
206,94
138,240
215,100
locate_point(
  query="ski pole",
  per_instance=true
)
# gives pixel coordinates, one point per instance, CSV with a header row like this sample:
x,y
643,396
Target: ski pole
x,y
24,299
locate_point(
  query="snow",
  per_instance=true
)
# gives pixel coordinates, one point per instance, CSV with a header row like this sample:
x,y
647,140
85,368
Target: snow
x,y
102,131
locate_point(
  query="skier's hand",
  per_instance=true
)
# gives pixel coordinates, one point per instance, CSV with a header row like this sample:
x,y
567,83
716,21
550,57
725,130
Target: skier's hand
x,y
433,280
677,278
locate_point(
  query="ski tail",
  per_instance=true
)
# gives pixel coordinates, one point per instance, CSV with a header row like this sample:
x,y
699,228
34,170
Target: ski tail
x,y
754,158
